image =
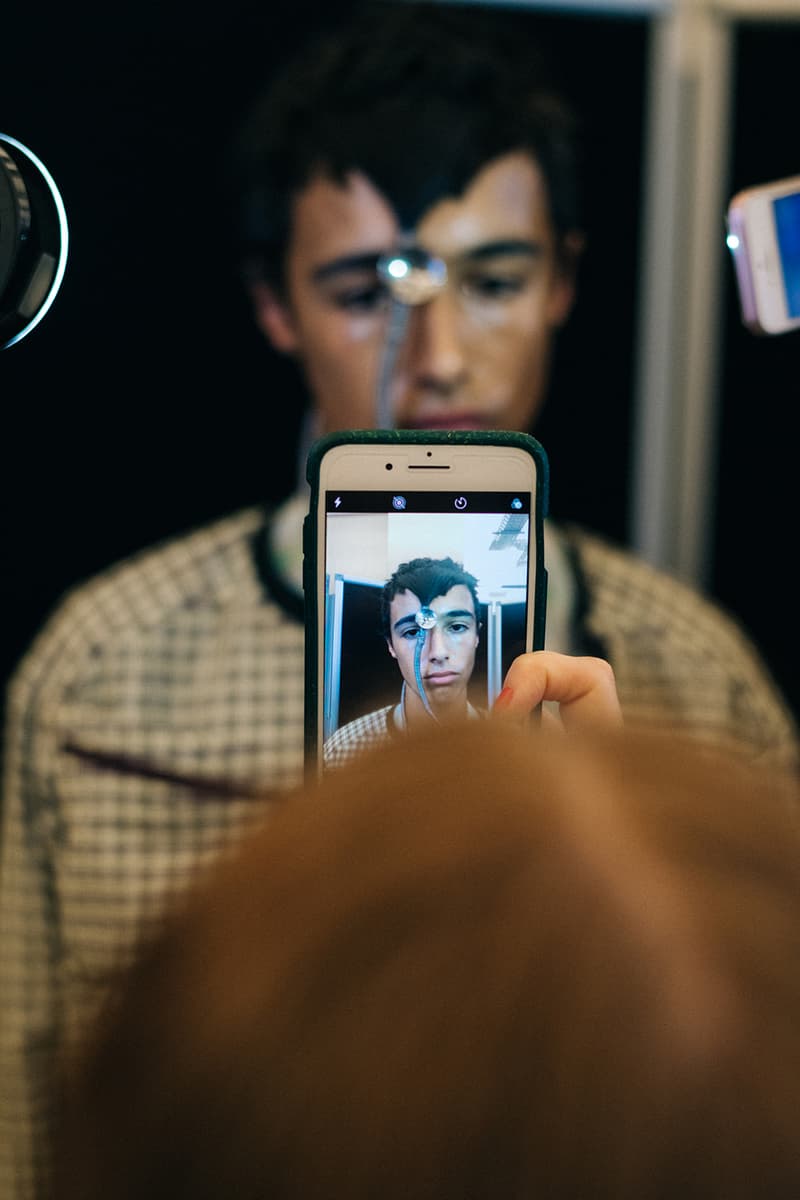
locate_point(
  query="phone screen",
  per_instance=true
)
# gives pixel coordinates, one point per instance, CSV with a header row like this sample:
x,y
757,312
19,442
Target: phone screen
x,y
465,556
786,210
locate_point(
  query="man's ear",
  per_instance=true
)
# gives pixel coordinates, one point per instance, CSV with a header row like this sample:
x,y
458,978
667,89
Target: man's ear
x,y
390,648
273,317
562,295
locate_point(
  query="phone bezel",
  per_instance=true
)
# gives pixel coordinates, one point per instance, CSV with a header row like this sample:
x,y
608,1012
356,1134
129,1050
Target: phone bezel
x,y
355,460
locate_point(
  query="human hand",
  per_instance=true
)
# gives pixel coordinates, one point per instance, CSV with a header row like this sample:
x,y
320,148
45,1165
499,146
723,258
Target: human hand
x,y
581,691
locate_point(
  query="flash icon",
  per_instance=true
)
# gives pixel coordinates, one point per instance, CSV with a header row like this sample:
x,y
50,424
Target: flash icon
x,y
337,502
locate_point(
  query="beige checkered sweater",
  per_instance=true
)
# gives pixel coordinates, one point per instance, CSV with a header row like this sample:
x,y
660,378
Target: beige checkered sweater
x,y
165,688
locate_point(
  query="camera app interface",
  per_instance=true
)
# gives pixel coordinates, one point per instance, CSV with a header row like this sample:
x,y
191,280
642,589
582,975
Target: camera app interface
x,y
425,609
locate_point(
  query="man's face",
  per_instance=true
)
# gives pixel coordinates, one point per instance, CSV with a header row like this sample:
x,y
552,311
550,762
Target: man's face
x,y
475,357
448,655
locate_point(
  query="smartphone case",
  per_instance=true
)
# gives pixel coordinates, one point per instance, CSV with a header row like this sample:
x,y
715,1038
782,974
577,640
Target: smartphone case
x,y
396,437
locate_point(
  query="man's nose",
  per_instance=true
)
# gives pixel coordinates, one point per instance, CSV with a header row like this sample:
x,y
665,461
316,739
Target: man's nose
x,y
436,352
437,648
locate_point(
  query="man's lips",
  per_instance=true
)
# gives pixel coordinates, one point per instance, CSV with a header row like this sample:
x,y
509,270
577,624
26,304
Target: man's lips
x,y
441,679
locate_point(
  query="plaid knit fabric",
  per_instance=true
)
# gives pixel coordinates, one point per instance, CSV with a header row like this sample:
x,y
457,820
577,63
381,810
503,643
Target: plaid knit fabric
x,y
353,739
680,662
369,732
164,692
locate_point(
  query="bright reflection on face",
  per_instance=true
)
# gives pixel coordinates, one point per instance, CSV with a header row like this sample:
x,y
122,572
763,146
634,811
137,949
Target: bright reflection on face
x,y
474,357
448,655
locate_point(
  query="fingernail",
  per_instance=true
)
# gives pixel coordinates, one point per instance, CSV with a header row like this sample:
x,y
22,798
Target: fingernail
x,y
504,699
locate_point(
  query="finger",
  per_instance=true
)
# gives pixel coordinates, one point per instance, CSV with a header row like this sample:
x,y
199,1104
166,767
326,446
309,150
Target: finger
x,y
583,687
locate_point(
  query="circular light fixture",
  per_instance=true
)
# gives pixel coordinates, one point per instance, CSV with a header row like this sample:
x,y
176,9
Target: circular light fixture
x,y
33,240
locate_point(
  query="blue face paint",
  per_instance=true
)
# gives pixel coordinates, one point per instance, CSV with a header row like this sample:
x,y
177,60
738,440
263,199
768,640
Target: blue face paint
x,y
425,619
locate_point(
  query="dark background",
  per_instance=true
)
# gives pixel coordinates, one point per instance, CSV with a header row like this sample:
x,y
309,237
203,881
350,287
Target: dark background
x,y
146,402
757,496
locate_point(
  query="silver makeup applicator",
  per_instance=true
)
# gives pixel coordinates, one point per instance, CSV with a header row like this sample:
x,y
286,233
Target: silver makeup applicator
x,y
411,277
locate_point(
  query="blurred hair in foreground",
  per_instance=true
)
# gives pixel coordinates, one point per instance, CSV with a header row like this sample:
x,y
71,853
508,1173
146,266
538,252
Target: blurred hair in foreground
x,y
471,966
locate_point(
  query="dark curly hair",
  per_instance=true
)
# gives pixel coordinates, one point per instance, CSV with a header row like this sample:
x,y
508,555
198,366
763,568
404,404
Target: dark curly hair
x,y
426,578
418,97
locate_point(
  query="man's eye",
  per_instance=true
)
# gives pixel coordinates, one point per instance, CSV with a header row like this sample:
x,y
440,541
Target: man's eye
x,y
458,627
410,634
494,287
366,299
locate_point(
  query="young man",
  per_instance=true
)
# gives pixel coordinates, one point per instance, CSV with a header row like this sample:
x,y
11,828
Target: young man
x,y
429,614
163,691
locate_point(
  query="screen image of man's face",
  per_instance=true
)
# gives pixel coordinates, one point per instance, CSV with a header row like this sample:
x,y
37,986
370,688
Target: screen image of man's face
x,y
448,655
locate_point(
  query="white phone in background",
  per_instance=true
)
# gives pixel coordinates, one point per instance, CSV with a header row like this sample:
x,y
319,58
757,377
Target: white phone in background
x,y
764,239
380,500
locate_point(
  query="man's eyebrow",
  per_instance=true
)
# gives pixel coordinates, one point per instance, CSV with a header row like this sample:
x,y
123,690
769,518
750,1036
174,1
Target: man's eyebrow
x,y
345,264
520,246
410,619
368,261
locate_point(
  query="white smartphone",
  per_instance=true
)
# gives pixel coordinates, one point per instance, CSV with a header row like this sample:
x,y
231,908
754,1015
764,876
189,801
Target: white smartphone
x,y
424,578
764,239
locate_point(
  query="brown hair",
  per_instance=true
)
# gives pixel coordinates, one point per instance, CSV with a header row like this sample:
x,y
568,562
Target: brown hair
x,y
498,966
